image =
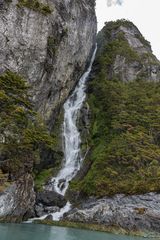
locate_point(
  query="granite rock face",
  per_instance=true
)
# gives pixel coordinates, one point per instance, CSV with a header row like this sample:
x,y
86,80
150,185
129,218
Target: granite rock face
x,y
138,61
50,50
17,200
131,213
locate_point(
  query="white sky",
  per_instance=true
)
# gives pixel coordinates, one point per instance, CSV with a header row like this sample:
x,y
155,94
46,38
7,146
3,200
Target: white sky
x,y
145,14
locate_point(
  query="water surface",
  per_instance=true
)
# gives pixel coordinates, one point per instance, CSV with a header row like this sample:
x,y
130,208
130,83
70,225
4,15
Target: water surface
x,y
43,232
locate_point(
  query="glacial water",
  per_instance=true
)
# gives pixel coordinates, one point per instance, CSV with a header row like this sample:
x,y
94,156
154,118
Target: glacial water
x,y
43,232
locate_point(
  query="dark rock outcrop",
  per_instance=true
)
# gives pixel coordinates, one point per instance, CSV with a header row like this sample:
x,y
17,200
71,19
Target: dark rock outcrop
x,y
48,202
40,210
50,198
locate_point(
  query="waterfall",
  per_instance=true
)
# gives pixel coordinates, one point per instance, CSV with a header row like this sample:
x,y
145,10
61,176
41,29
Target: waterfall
x,y
71,135
72,141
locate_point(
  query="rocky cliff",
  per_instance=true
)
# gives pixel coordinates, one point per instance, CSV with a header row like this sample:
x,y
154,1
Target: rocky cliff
x,y
48,43
123,139
137,214
17,200
132,56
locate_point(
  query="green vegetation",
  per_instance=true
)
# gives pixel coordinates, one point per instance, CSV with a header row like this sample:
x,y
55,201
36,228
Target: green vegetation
x,y
42,178
35,5
53,42
50,170
52,46
22,132
109,48
119,46
110,26
125,138
124,131
4,182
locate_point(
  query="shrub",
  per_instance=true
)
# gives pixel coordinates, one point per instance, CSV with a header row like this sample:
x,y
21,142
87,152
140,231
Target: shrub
x,y
22,132
125,125
35,5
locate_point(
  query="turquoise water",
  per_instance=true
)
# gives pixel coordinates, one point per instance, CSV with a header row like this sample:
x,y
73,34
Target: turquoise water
x,y
43,232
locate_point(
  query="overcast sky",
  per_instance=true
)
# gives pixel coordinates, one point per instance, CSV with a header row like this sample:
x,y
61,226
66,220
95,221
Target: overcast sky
x,y
145,14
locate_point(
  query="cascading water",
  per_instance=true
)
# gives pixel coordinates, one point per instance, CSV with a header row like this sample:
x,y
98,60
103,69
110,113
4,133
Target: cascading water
x,y
71,135
72,142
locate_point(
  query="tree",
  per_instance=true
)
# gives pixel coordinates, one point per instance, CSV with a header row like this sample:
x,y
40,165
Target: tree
x,y
22,132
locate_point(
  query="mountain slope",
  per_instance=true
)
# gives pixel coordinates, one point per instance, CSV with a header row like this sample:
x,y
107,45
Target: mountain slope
x,y
124,96
118,185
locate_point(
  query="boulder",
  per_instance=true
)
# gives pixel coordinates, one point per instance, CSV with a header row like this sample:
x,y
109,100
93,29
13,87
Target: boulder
x,y
50,199
49,217
39,210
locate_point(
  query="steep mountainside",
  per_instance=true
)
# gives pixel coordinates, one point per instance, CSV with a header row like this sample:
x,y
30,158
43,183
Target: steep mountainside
x,y
123,96
129,54
47,43
123,139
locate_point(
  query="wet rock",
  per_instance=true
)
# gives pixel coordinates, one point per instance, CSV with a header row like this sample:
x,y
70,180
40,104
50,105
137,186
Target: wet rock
x,y
51,209
50,198
42,210
49,217
39,210
132,213
61,183
29,214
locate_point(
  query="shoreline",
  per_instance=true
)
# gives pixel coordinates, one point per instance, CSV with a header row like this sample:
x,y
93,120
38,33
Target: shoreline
x,y
100,228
